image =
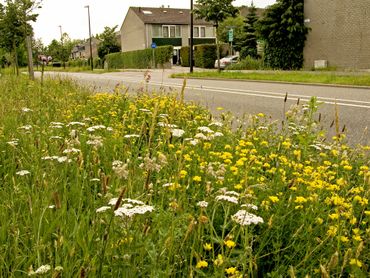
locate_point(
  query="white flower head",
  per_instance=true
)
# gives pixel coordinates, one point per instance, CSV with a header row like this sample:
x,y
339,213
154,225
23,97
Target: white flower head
x,y
200,136
26,127
25,110
62,159
226,198
132,201
161,124
102,209
202,204
219,124
205,129
128,136
250,206
177,132
95,127
13,143
218,134
71,150
43,269
23,173
130,212
76,124
244,218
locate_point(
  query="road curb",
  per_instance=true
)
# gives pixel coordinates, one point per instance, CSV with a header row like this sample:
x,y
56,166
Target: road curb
x,y
279,82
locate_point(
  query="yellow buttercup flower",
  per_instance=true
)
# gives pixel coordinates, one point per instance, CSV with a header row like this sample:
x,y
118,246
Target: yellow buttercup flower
x,y
231,270
230,243
274,199
355,262
201,264
207,246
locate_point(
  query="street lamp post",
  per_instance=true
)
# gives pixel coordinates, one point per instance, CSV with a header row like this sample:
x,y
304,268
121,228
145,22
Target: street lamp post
x,y
91,57
191,36
61,41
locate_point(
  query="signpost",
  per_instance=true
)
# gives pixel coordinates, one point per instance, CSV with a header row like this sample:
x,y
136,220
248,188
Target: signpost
x,y
153,46
231,38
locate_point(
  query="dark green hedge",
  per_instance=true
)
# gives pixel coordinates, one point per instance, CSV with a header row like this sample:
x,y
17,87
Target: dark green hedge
x,y
139,59
184,54
205,55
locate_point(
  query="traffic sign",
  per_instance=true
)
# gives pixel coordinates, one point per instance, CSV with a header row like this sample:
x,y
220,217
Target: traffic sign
x,y
231,35
153,45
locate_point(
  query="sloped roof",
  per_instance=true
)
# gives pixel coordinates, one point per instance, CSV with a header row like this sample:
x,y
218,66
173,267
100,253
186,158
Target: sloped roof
x,y
166,16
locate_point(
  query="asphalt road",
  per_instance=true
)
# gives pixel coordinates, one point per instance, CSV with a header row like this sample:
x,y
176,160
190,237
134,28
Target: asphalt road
x,y
246,97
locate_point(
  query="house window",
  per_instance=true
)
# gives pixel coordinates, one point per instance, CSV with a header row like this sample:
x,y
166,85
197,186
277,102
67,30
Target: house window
x,y
199,32
157,31
171,31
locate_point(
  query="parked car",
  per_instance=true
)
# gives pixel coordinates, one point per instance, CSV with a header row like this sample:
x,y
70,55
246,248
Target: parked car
x,y
224,62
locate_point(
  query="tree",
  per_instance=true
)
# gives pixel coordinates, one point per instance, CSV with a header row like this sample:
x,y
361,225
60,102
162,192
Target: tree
x,y
109,43
215,11
14,25
248,45
61,50
231,22
284,32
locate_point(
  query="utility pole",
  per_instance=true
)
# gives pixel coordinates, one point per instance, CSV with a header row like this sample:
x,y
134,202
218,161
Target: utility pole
x,y
191,36
30,58
91,57
61,41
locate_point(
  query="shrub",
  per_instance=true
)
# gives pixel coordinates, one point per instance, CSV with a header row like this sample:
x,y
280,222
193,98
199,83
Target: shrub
x,y
247,63
205,55
185,56
140,59
78,63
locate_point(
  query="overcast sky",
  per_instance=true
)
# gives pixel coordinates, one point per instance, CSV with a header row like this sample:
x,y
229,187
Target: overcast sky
x,y
72,16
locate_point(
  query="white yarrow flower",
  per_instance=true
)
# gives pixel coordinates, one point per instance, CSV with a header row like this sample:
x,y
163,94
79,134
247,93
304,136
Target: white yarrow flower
x,y
177,132
26,127
128,136
205,129
23,173
245,218
202,204
26,109
102,209
250,206
43,269
230,199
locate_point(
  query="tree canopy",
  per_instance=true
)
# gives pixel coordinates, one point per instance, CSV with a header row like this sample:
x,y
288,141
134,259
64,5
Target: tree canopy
x,y
109,43
284,32
248,45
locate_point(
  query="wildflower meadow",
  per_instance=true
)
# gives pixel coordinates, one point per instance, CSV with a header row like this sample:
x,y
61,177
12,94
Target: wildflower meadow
x,y
144,184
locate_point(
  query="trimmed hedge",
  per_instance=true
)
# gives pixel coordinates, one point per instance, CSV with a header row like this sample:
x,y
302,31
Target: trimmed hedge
x,y
139,59
185,60
185,56
205,55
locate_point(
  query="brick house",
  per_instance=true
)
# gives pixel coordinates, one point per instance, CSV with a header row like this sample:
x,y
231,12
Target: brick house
x,y
82,51
163,26
340,33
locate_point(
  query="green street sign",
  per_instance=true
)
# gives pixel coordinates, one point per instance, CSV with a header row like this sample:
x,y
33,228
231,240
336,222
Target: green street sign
x,y
231,35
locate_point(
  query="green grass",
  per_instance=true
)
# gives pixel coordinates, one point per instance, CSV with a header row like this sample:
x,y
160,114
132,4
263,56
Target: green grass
x,y
65,153
318,77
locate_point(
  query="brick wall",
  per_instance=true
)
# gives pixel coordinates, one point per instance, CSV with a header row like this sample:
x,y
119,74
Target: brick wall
x,y
340,33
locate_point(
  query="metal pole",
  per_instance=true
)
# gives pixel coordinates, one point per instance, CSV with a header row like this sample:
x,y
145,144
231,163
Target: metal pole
x,y
191,36
91,57
61,41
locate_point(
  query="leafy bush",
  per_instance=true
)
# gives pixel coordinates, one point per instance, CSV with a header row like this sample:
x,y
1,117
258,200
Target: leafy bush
x,y
78,63
205,55
185,56
247,63
140,59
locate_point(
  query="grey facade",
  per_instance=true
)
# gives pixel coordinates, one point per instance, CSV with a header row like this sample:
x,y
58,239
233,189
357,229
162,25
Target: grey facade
x,y
340,33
